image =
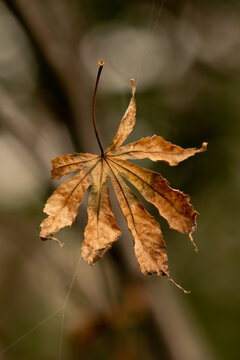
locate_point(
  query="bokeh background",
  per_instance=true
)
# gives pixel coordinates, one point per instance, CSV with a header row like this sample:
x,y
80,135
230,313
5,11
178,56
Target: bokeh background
x,y
185,58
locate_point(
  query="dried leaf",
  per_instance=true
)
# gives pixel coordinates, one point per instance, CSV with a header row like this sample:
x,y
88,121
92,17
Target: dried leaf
x,y
62,206
148,242
63,165
155,149
101,230
126,125
173,205
94,170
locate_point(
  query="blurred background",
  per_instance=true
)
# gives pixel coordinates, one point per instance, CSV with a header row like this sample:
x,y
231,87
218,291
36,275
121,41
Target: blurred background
x,y
185,58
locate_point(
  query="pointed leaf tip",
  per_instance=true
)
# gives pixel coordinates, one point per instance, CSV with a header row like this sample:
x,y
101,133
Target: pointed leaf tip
x,y
54,239
192,241
133,86
179,286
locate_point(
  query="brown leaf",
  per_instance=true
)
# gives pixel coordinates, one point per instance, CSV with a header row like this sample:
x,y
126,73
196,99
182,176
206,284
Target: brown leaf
x,y
101,231
148,242
63,165
155,149
62,206
173,205
126,125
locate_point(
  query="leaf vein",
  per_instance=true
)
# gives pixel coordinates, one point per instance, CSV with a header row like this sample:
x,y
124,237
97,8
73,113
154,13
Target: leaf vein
x,y
179,211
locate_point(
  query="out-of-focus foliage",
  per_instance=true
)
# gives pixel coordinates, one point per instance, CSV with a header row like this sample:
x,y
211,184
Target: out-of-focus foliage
x,y
184,57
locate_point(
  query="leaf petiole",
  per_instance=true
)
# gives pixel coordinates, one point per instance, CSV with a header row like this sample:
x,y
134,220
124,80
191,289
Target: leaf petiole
x,y
101,64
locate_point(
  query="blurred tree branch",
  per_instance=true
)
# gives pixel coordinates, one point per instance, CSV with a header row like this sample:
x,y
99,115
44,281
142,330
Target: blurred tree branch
x,y
57,47
60,54
20,126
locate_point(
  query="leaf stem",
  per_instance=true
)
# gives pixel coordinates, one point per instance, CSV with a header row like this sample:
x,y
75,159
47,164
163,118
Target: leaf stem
x,y
101,64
